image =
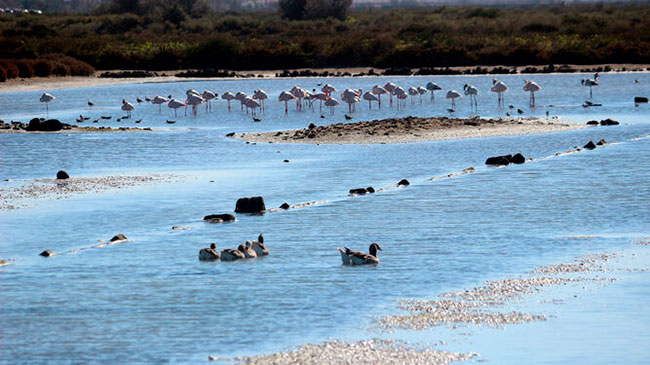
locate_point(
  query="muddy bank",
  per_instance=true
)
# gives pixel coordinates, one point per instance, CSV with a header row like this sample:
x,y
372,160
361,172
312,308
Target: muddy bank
x,y
18,127
410,129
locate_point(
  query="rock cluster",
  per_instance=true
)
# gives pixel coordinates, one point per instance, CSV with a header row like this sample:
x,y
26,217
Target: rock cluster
x,y
504,160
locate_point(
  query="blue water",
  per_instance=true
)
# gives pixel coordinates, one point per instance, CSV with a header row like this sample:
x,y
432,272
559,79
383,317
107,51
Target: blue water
x,y
151,300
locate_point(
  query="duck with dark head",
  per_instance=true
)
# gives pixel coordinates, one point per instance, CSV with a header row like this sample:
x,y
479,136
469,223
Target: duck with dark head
x,y
350,257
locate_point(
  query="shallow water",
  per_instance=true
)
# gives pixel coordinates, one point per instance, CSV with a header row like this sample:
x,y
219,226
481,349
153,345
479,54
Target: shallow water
x,y
151,300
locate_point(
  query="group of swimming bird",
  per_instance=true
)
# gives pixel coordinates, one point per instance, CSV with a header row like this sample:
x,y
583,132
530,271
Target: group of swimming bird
x,y
254,249
249,250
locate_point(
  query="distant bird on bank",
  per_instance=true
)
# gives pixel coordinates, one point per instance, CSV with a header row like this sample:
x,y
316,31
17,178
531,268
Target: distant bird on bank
x,y
255,119
138,121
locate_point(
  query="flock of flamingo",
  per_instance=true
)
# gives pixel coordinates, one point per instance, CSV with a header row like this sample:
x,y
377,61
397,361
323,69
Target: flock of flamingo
x,y
304,98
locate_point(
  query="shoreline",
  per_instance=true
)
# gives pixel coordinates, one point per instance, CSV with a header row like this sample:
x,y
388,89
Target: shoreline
x,y
409,130
71,82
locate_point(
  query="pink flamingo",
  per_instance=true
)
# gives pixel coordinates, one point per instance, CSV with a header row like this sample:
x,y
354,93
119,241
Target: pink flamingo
x,y
240,97
160,101
390,87
332,102
299,93
532,87
350,96
175,104
207,96
194,100
252,103
370,97
378,90
328,90
228,96
46,98
413,92
422,91
261,96
319,96
453,94
286,96
401,95
499,88
127,107
432,86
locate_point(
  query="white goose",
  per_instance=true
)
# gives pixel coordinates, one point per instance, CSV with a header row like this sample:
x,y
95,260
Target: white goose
x,y
359,258
209,254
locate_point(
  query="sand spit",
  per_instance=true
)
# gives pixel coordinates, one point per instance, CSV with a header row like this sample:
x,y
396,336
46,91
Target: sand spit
x,y
17,127
410,129
480,305
17,197
375,351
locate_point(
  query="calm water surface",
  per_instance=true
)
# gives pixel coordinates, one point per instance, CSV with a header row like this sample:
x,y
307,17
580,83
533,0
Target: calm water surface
x,y
152,300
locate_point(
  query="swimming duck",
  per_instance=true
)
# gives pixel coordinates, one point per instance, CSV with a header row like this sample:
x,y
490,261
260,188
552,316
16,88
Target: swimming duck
x,y
232,255
359,258
248,251
209,254
260,247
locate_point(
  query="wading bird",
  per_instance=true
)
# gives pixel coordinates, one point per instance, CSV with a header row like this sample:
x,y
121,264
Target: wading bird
x,y
46,98
532,87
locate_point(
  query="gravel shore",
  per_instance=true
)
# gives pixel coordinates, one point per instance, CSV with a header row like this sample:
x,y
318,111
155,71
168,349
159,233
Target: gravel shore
x,y
16,197
410,129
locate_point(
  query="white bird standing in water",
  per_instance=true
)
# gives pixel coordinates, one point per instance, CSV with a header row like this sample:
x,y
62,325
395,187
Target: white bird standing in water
x,y
46,98
590,83
453,94
499,87
127,107
472,91
532,87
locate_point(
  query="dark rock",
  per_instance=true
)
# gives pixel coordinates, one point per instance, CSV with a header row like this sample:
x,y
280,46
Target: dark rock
x,y
370,189
312,126
640,99
592,122
285,206
590,145
118,237
286,161
50,125
608,122
47,253
311,135
499,160
602,142
359,191
403,182
219,218
518,158
231,134
62,175
250,205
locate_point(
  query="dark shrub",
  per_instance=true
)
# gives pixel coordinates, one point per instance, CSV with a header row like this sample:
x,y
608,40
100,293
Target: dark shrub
x,y
10,69
42,68
24,68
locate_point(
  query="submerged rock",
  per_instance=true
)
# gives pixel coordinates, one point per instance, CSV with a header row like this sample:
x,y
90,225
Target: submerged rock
x,y
219,218
62,175
362,191
609,122
640,99
592,122
602,142
118,237
250,205
285,205
403,182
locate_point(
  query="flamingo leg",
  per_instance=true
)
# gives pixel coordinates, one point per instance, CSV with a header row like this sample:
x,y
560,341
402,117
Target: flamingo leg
x,y
228,105
379,97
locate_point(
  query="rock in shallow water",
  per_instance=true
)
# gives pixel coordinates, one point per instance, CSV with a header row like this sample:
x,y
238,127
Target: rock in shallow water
x,y
118,237
219,218
250,205
62,175
47,253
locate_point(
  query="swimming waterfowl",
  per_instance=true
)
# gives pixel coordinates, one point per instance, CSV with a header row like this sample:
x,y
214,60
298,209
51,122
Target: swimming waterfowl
x,y
260,247
248,251
209,254
359,258
232,255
